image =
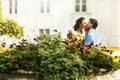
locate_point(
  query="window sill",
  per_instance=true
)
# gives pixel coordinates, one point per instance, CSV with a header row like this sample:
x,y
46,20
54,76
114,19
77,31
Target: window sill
x,y
81,13
44,14
15,15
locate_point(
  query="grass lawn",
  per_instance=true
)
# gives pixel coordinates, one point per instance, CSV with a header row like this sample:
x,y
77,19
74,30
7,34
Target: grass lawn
x,y
114,49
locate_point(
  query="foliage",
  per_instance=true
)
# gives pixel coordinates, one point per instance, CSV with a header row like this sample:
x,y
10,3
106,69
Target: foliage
x,y
57,63
97,60
1,18
59,58
10,27
55,58
18,56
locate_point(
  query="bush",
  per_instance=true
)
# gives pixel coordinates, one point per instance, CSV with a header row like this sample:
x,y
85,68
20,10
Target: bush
x,y
63,59
21,56
55,58
57,63
96,60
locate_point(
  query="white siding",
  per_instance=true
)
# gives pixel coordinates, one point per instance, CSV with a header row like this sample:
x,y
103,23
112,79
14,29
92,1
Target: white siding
x,y
62,17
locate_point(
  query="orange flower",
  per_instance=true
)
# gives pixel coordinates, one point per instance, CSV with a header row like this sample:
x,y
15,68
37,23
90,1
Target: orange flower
x,y
11,61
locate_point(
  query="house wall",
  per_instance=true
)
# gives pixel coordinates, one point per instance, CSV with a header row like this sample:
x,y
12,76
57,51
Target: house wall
x,y
62,17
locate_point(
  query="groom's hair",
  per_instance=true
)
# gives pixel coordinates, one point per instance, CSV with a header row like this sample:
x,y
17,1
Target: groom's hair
x,y
94,23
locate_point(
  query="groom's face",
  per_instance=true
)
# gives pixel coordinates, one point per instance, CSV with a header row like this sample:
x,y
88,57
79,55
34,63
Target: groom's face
x,y
89,26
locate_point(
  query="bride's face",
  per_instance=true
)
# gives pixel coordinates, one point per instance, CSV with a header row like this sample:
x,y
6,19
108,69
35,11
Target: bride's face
x,y
83,23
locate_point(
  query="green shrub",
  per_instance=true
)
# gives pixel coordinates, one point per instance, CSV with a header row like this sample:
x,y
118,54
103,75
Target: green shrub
x,y
62,59
55,58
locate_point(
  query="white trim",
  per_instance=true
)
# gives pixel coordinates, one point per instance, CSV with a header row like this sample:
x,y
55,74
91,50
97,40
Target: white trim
x,y
81,13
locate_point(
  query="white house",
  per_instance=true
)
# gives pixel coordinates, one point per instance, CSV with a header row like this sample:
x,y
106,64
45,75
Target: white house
x,y
43,16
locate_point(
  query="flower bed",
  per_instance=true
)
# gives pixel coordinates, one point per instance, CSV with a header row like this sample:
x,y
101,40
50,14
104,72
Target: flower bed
x,y
55,58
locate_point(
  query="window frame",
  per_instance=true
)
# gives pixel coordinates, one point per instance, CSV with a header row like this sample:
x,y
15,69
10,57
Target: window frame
x,y
44,31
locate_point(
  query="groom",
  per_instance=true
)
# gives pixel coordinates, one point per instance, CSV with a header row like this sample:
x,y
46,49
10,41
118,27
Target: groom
x,y
92,35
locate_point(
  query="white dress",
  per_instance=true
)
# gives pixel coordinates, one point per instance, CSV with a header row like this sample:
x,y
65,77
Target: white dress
x,y
78,36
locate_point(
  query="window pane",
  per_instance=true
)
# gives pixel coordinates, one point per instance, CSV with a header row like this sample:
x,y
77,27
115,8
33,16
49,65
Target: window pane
x,y
77,8
42,10
42,7
48,7
83,8
10,11
83,1
41,31
10,2
10,6
15,10
15,6
47,31
77,1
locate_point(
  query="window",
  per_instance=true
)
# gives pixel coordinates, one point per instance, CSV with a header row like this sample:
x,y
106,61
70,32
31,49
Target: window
x,y
44,31
13,6
44,6
80,5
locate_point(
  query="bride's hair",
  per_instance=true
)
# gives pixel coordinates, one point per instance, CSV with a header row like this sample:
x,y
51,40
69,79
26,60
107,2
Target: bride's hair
x,y
78,22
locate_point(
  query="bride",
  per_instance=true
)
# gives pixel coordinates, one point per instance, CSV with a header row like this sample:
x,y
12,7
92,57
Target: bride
x,y
79,32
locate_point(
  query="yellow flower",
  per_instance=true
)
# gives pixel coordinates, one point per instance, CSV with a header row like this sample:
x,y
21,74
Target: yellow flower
x,y
79,37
